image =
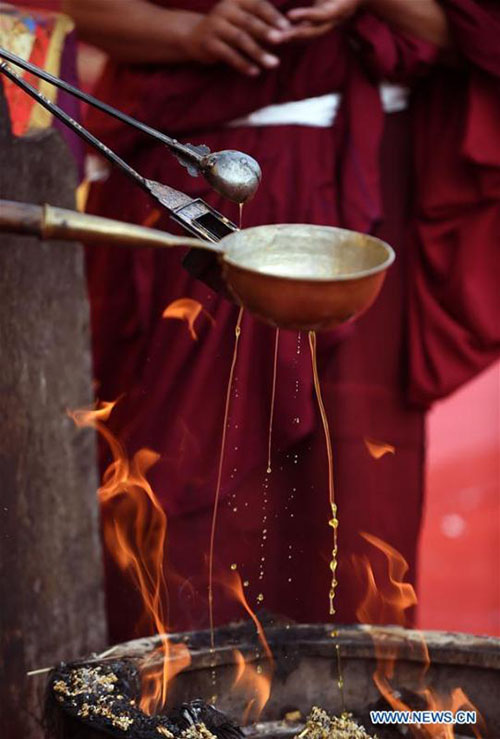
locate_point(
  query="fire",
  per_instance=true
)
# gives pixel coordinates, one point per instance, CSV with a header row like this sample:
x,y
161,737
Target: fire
x,y
254,682
389,606
186,309
152,218
135,531
387,603
378,449
234,585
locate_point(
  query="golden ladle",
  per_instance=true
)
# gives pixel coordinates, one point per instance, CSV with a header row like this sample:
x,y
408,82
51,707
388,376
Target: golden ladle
x,y
294,276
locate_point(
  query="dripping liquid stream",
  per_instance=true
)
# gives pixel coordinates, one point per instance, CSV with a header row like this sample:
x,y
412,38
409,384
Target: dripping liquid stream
x,y
213,527
273,398
237,332
265,483
333,522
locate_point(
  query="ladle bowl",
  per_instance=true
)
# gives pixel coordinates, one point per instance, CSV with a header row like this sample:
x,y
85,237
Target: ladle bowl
x,y
299,276
233,174
293,276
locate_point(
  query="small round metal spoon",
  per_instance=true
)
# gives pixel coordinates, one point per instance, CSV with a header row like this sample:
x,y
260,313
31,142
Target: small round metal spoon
x,y
233,174
293,276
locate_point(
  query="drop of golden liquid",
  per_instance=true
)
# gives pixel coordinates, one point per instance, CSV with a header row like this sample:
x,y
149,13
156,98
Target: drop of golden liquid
x,y
246,584
234,566
260,597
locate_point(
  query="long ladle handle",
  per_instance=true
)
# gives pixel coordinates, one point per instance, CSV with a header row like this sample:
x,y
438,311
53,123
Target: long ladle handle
x,y
74,125
48,222
174,145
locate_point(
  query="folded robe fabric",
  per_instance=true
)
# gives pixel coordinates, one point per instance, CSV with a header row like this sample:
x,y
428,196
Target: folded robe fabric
x,y
454,301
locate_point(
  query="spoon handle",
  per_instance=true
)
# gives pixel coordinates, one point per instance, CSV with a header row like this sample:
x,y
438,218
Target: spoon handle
x,y
48,222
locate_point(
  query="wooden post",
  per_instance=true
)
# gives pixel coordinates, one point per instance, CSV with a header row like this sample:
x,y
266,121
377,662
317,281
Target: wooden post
x,y
51,595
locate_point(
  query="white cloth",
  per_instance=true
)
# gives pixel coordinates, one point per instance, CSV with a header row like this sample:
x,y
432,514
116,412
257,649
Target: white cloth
x,y
319,111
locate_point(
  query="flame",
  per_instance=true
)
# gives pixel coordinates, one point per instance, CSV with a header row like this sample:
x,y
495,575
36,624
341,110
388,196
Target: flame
x,y
234,585
253,682
89,416
152,218
135,531
186,309
379,449
389,606
387,603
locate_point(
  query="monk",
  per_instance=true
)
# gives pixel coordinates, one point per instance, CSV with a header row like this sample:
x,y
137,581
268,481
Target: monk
x,y
372,115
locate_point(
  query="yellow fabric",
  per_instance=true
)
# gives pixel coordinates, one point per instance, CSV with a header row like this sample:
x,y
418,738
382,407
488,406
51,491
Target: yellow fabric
x,y
41,118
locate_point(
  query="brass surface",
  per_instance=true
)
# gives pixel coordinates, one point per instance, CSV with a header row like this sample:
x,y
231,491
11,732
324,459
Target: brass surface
x,y
293,276
305,277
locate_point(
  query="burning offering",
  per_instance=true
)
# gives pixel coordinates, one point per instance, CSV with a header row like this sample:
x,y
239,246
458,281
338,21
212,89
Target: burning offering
x,y
106,698
101,696
322,726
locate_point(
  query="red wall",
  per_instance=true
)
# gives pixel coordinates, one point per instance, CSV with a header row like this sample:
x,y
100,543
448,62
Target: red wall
x,y
460,545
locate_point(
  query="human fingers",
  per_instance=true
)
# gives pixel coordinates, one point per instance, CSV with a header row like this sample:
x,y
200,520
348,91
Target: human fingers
x,y
324,11
242,41
258,28
266,12
311,30
222,51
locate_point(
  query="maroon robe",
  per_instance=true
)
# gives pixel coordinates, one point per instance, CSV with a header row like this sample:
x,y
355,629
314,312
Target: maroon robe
x,y
454,326
357,174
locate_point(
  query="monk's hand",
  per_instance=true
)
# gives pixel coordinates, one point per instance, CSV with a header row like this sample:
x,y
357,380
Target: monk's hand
x,y
239,33
321,16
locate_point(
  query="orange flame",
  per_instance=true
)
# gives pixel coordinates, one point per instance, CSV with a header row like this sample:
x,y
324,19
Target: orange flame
x,y
234,585
186,309
135,531
152,218
379,449
253,682
387,604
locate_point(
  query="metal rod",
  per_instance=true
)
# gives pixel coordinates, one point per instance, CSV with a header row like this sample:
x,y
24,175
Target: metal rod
x,y
184,209
173,144
74,125
51,223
